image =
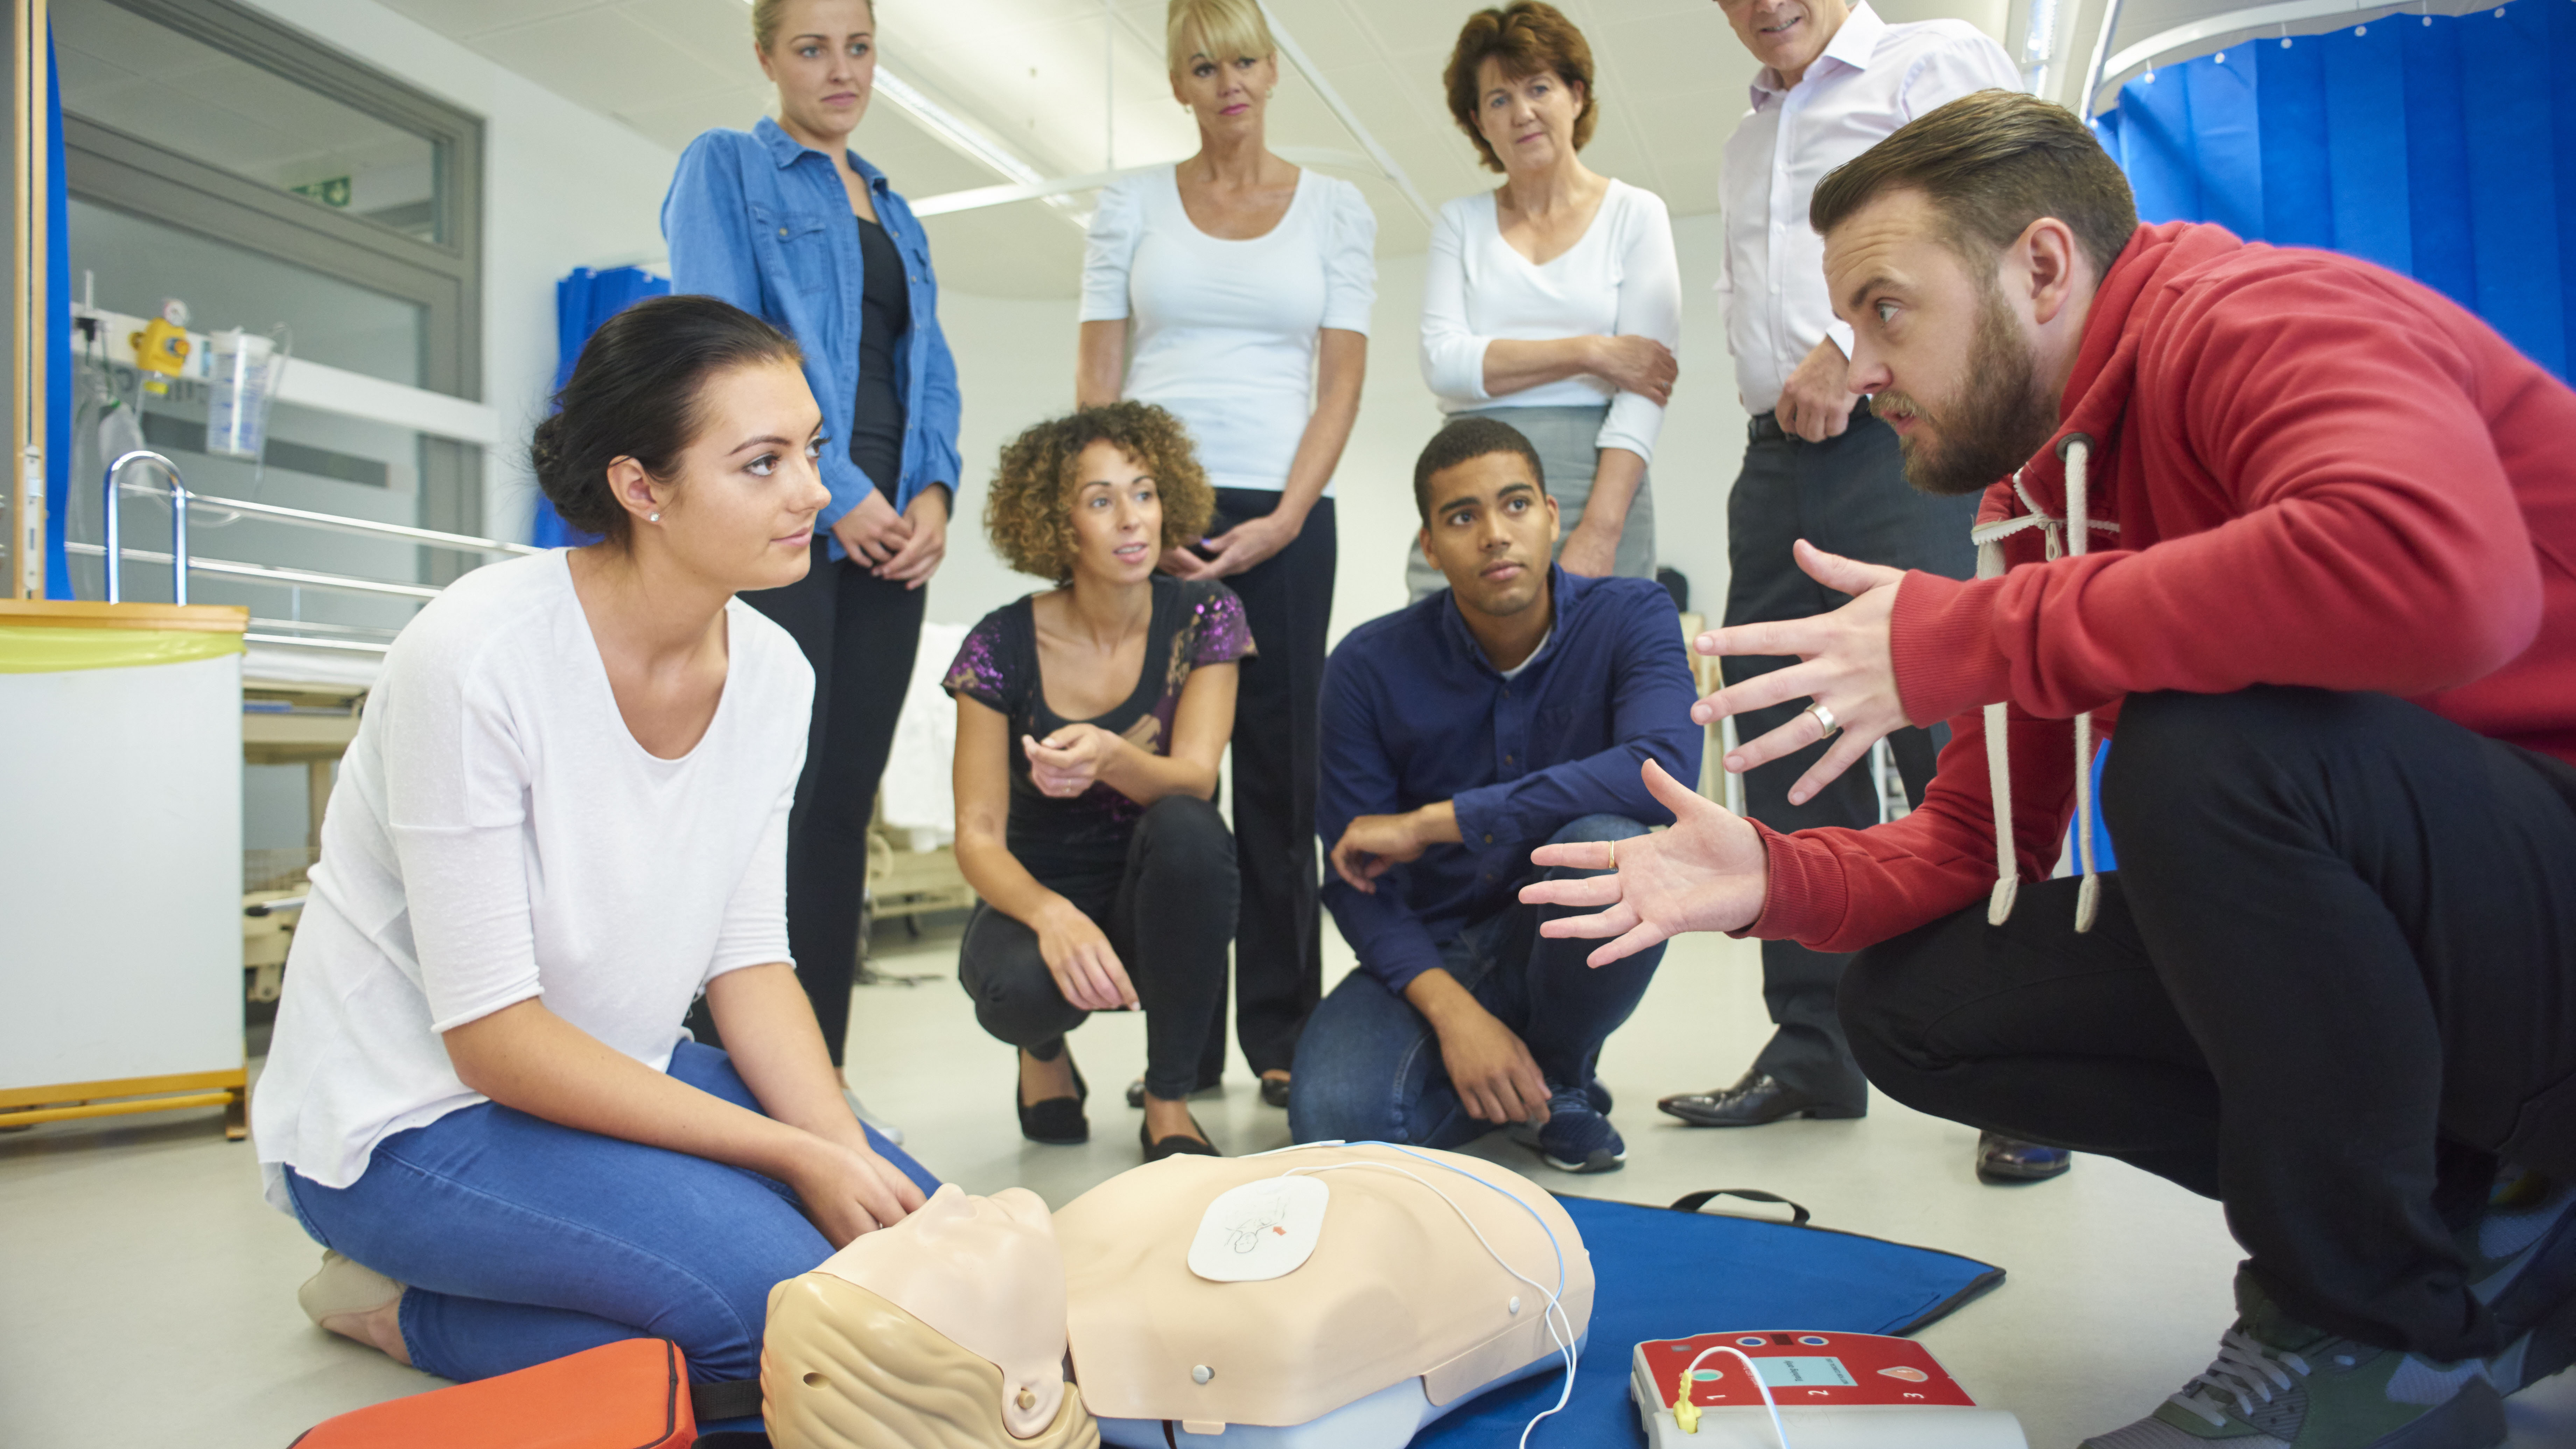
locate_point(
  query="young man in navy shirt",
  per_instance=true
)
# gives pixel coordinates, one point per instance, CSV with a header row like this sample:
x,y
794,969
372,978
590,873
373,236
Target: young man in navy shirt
x,y
1511,710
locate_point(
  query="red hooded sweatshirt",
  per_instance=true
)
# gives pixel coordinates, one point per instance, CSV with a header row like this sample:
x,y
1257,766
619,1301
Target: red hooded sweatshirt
x,y
2303,469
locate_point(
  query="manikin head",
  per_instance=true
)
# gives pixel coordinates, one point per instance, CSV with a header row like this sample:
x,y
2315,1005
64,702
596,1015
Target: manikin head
x,y
1964,252
948,1323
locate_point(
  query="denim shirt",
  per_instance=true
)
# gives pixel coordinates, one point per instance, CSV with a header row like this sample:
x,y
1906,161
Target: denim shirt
x,y
1415,714
757,218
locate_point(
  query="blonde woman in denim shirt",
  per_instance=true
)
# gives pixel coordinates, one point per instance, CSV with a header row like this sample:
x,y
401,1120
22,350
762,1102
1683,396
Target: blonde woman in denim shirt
x,y
788,223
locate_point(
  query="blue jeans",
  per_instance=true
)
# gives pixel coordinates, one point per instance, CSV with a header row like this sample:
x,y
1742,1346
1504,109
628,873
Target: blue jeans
x,y
1369,1066
523,1241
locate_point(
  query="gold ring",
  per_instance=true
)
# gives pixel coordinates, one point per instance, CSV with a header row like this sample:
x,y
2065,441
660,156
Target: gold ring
x,y
1614,853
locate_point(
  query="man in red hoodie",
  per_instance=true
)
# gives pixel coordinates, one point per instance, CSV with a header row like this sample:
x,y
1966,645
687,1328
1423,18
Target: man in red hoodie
x,y
2303,534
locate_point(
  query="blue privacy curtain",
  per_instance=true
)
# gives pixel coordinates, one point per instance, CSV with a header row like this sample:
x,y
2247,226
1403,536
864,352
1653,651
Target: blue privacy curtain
x,y
58,340
583,301
2446,151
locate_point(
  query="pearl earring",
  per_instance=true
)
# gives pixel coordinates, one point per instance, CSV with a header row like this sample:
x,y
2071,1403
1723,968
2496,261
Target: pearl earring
x,y
652,518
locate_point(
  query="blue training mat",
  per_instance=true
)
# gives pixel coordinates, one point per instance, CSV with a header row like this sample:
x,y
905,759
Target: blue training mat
x,y
1666,1274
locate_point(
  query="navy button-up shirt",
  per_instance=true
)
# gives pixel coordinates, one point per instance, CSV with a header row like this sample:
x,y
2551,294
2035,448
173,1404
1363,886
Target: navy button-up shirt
x,y
1414,714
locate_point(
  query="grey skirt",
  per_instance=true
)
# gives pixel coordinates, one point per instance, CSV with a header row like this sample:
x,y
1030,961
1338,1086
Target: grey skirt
x,y
1563,437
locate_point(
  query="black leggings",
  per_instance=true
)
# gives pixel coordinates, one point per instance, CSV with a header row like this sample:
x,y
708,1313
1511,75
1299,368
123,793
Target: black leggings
x,y
2332,985
859,632
1169,917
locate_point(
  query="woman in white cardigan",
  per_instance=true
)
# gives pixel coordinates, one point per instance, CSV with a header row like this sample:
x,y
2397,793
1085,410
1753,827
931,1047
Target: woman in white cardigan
x,y
1553,302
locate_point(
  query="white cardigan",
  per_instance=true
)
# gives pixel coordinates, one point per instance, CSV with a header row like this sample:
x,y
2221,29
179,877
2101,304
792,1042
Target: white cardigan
x,y
1620,279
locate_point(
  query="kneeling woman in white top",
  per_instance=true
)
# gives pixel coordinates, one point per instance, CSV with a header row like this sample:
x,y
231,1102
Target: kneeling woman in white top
x,y
1553,302
563,817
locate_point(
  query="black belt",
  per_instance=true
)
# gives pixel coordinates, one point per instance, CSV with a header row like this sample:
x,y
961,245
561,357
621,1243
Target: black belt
x,y
1765,427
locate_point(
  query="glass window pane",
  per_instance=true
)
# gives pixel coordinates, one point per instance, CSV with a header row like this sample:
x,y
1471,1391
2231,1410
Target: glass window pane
x,y
132,263
122,70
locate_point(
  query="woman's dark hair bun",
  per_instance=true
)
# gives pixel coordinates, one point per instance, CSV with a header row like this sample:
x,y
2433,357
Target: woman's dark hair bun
x,y
635,394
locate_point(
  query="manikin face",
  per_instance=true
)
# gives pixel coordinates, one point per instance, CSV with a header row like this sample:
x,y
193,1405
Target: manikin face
x,y
984,1272
1786,35
1227,95
824,62
1491,533
1528,120
1117,517
1953,366
739,508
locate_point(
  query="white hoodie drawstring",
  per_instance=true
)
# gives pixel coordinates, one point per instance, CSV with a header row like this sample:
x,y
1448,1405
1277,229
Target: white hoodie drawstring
x,y
2077,450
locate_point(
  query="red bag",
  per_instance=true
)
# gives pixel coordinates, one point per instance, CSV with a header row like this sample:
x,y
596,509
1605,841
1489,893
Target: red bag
x,y
629,1395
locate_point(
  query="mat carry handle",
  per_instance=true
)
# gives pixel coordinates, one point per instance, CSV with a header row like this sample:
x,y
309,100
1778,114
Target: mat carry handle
x,y
1694,1201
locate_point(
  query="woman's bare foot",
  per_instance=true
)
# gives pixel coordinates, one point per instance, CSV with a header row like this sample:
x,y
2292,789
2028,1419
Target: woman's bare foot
x,y
1042,1080
377,1328
1169,1118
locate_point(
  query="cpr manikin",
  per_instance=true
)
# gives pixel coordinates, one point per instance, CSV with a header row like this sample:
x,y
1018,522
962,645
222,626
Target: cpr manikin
x,y
945,1331
1331,1295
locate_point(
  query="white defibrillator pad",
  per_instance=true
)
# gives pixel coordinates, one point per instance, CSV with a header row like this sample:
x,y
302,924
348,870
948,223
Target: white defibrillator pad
x,y
1260,1230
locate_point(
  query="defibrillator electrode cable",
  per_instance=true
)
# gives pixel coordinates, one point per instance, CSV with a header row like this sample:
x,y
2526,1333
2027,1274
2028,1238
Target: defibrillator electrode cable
x,y
1686,1413
1560,1326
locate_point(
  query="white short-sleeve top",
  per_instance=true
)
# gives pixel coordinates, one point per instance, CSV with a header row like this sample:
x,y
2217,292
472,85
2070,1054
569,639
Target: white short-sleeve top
x,y
497,834
1223,333
1620,279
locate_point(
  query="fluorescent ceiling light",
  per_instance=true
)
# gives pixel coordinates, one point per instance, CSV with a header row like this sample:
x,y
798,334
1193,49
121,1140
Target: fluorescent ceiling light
x,y
939,121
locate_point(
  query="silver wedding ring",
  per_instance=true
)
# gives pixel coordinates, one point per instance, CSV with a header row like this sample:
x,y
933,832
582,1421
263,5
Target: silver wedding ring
x,y
1824,717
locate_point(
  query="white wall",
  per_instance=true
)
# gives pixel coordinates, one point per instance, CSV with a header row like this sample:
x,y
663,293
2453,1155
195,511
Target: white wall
x,y
563,188
566,187
1015,366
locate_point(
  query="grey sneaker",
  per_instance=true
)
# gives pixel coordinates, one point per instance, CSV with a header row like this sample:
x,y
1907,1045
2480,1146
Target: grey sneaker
x,y
2522,1264
2282,1385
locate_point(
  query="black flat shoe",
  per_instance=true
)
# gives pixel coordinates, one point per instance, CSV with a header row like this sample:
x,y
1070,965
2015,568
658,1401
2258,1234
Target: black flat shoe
x,y
1207,1087
1056,1121
1756,1101
1175,1145
1274,1090
2009,1159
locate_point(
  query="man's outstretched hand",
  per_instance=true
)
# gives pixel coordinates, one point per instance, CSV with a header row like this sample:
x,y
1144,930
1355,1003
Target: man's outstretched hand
x,y
1847,663
1709,872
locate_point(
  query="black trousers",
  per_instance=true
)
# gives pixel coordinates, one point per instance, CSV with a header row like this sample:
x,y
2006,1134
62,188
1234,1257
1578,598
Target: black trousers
x,y
1278,747
1168,916
2332,985
1846,495
859,632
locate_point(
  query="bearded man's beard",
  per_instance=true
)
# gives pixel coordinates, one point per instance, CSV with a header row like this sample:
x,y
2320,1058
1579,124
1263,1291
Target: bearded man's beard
x,y
2001,417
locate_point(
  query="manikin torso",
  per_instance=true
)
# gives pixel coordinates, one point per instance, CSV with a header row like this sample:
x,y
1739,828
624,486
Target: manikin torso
x,y
1397,1298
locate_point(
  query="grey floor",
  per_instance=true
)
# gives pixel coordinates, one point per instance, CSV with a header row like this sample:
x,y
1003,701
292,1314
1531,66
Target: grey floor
x,y
147,1295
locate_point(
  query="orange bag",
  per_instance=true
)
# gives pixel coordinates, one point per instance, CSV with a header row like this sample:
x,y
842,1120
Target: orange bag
x,y
630,1395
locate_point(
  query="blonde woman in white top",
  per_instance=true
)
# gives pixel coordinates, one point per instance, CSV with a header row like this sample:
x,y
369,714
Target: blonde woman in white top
x,y
1553,302
1233,291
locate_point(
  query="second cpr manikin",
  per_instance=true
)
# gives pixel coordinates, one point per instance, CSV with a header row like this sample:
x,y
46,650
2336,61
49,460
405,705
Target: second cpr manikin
x,y
1329,1295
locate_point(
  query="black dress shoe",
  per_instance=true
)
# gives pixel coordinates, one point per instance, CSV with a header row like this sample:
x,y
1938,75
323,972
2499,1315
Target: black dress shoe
x,y
1056,1121
1274,1090
1755,1101
2009,1159
1176,1145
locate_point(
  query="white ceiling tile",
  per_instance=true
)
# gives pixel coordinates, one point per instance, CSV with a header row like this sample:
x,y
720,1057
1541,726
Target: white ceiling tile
x,y
1689,52
603,60
717,32
1325,31
464,19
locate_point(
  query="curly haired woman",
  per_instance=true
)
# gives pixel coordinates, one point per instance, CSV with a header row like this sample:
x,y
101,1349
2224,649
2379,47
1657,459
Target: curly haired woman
x,y
1090,719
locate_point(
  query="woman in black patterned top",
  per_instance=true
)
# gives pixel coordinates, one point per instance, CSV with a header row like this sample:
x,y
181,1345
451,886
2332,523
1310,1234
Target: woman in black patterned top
x,y
1090,719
